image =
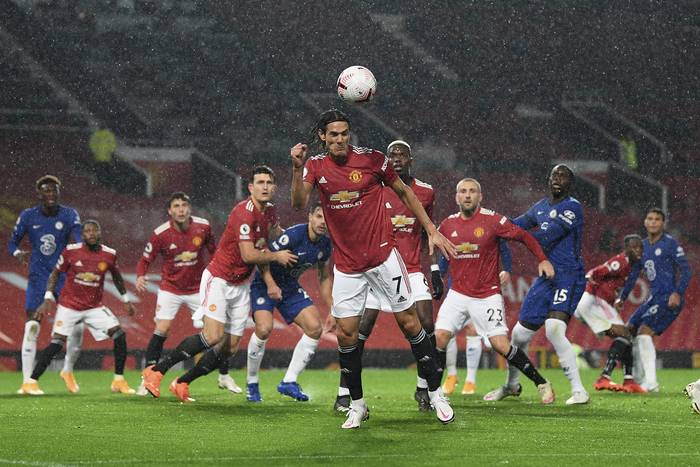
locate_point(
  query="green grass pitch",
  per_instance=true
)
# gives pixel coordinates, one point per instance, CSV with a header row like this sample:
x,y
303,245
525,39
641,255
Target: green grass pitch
x,y
96,427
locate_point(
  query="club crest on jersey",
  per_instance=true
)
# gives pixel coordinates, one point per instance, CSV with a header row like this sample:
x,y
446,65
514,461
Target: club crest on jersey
x,y
102,266
355,176
197,241
479,232
553,213
212,307
401,220
59,323
343,196
657,252
59,225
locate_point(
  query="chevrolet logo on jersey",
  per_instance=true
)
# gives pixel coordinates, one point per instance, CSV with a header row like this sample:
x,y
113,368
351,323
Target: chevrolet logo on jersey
x,y
467,247
186,256
344,196
402,221
87,277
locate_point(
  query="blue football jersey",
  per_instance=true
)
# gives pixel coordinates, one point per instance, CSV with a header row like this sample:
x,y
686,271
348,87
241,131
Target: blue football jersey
x,y
560,231
665,266
296,239
47,235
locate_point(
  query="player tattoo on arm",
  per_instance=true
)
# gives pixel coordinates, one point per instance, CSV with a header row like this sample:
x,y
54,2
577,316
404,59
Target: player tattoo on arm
x,y
119,284
435,238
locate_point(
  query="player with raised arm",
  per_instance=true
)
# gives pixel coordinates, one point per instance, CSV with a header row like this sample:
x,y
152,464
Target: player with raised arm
x,y
85,266
224,290
473,340
181,241
278,287
408,235
552,302
597,311
475,292
350,183
667,269
49,227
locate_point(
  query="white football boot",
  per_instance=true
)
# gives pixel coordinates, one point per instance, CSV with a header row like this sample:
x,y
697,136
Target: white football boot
x,y
578,397
357,414
227,382
441,405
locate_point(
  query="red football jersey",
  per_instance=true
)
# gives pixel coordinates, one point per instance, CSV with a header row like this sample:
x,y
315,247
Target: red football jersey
x,y
609,277
246,223
351,196
85,275
474,271
407,229
182,252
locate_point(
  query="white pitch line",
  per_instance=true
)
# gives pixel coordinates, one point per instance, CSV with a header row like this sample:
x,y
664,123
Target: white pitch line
x,y
616,454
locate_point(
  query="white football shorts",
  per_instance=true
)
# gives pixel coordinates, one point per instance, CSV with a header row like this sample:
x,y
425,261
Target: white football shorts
x,y
98,320
488,314
419,288
389,281
168,304
224,302
598,314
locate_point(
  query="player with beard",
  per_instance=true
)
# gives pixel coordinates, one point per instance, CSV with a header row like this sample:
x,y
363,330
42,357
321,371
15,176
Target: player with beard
x,y
224,290
350,183
475,291
552,301
85,266
409,238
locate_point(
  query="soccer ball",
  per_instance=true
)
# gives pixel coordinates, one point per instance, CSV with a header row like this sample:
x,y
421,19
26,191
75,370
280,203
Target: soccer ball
x,y
356,84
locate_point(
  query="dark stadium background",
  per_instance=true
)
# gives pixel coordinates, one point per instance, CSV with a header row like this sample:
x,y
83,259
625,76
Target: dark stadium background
x,y
198,92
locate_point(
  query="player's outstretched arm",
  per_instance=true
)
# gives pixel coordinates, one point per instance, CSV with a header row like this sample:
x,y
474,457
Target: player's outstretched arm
x,y
435,238
252,255
300,189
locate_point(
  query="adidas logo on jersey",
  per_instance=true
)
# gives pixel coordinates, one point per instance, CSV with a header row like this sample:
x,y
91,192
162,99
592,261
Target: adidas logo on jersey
x,y
322,179
79,264
401,299
453,234
172,246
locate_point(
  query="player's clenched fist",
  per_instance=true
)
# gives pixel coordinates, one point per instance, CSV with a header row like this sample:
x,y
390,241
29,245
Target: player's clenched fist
x,y
298,153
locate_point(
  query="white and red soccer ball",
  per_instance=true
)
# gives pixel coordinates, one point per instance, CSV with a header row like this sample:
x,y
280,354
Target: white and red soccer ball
x,y
356,84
